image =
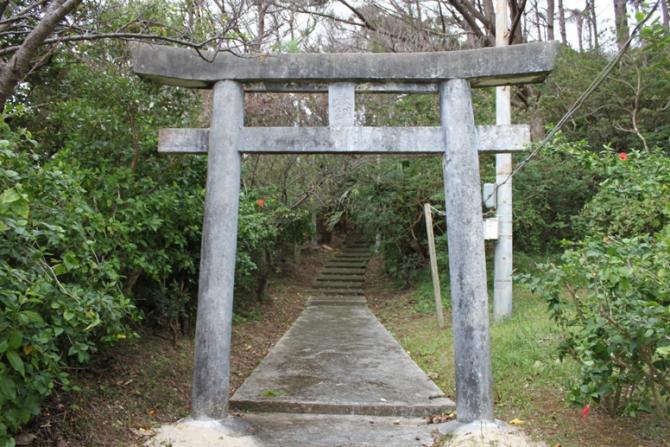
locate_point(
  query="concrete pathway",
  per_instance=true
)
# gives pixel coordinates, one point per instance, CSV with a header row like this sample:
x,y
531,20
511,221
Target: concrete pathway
x,y
337,360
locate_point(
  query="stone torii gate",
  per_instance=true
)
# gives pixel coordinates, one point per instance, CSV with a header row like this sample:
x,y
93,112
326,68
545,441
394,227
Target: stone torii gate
x,y
450,74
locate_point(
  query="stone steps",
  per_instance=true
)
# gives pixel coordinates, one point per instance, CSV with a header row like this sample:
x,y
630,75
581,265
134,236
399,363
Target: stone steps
x,y
341,277
339,292
341,281
339,270
347,264
337,301
337,285
337,359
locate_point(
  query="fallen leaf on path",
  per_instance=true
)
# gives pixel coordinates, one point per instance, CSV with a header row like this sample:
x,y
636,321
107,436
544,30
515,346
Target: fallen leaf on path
x,y
517,421
440,418
142,432
25,439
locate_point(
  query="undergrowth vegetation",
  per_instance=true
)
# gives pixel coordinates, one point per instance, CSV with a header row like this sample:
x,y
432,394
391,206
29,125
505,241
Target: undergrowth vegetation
x,y
610,291
100,236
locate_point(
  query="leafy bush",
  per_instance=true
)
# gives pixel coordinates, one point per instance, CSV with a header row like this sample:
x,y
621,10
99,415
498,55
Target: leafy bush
x,y
82,246
611,299
388,199
548,193
59,294
267,228
630,198
610,293
629,110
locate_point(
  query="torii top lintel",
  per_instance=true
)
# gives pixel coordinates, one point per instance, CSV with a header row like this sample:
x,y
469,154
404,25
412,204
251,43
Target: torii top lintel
x,y
516,64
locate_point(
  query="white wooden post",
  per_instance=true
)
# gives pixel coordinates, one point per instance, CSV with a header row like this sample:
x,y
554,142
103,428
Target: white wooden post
x,y
217,264
502,287
433,265
467,261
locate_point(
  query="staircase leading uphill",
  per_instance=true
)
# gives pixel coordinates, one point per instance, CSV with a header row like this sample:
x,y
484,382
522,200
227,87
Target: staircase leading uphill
x,y
341,281
336,360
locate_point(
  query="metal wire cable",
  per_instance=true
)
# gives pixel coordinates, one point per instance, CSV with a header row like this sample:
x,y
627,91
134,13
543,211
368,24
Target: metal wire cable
x,y
579,102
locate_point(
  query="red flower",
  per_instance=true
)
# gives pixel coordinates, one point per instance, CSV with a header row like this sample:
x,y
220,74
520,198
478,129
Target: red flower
x,y
623,156
586,410
260,202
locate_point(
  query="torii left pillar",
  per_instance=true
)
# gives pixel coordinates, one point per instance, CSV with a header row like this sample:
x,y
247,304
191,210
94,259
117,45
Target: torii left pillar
x,y
211,375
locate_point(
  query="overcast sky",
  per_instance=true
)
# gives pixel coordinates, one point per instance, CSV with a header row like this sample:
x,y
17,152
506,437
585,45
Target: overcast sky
x,y
604,15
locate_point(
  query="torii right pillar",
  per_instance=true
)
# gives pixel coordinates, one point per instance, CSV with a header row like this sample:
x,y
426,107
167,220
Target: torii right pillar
x,y
467,260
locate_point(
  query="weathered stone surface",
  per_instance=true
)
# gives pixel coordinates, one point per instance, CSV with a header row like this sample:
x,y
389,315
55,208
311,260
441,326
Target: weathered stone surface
x,y
327,430
467,262
217,265
482,67
343,292
310,430
337,285
351,140
346,264
339,360
338,277
342,271
337,301
346,260
322,87
341,104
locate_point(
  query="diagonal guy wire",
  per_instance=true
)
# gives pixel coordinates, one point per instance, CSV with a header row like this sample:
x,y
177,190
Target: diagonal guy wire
x,y
579,102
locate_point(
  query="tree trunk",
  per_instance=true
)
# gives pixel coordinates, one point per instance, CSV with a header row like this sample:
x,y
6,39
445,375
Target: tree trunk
x,y
580,29
594,21
17,67
517,13
489,12
621,22
587,20
665,14
550,20
257,45
538,24
561,22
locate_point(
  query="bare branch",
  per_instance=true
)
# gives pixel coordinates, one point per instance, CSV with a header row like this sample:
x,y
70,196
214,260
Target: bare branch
x,y
124,36
14,70
358,14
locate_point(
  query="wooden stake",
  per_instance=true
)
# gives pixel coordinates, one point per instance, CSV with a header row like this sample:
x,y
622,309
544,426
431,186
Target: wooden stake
x,y
433,265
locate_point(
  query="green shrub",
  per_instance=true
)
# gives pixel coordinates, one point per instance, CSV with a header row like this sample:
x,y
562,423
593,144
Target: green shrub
x,y
387,199
610,293
632,196
611,300
59,295
548,193
267,229
628,110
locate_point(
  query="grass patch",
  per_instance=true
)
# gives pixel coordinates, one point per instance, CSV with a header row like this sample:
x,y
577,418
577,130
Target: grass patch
x,y
270,393
529,382
423,296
